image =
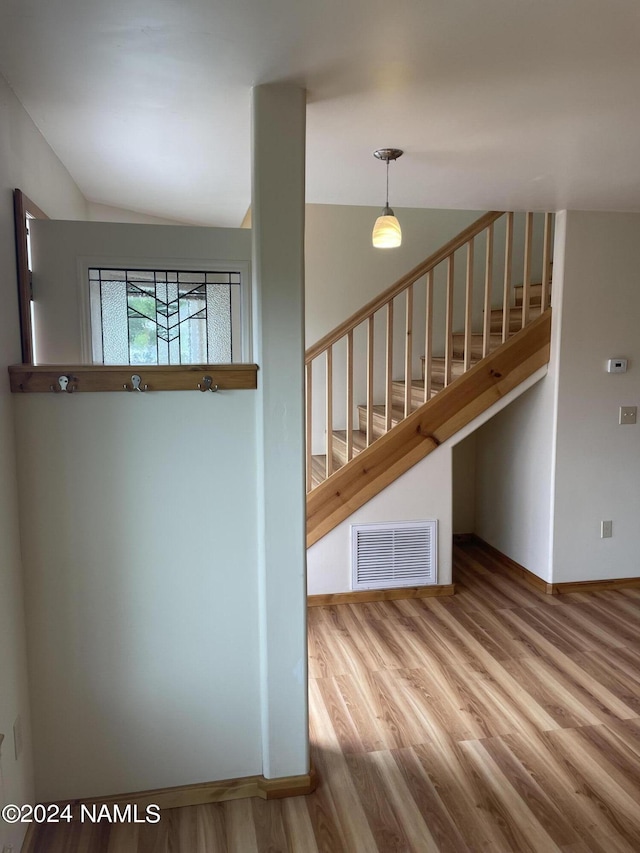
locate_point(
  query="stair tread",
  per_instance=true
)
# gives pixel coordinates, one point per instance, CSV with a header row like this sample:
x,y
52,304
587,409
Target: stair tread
x,y
439,359
477,335
358,438
531,284
515,310
417,385
380,409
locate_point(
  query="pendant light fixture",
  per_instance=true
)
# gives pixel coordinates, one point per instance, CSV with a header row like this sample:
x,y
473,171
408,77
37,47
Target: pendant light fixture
x,y
386,231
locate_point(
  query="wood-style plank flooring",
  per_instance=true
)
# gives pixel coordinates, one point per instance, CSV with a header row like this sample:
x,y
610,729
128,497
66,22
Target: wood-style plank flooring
x,y
500,719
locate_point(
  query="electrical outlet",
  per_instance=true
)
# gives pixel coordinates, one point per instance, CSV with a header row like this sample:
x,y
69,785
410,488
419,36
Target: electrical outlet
x,y
606,529
8,848
17,737
628,414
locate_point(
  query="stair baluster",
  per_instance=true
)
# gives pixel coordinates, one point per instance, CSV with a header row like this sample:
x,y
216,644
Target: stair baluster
x,y
488,280
508,260
309,422
468,306
389,367
370,380
408,351
546,262
329,412
526,277
428,337
448,340
349,413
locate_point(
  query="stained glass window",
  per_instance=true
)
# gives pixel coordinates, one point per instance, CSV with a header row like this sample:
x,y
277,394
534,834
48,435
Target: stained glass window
x,y
164,316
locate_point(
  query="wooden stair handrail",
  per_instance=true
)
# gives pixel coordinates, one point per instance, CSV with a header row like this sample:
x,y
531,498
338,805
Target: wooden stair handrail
x,y
410,278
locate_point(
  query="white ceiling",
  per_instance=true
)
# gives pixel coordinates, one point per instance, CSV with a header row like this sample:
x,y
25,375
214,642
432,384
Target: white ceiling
x,y
497,103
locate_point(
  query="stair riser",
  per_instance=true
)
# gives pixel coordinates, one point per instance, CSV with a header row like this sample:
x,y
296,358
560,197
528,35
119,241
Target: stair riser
x,y
476,345
340,453
379,422
397,397
535,294
533,300
340,450
515,324
437,370
515,318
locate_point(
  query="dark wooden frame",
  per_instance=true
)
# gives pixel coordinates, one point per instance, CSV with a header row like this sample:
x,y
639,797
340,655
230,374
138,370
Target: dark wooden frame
x,y
22,205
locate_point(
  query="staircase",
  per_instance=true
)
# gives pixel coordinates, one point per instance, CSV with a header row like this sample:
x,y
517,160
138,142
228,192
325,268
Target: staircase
x,y
495,346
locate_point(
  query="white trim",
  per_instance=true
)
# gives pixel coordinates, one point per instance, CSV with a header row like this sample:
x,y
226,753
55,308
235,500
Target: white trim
x,y
84,263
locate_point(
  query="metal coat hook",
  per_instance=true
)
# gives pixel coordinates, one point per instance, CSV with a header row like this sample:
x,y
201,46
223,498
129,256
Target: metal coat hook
x,y
63,385
135,382
206,384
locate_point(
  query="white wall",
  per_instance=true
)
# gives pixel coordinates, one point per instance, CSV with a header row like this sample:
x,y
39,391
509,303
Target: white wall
x,y
342,269
557,463
515,457
464,485
423,492
597,460
140,549
278,175
514,465
139,543
26,162
107,213
58,246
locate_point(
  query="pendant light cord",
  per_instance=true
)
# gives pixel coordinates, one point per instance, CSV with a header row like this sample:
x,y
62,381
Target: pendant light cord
x,y
387,204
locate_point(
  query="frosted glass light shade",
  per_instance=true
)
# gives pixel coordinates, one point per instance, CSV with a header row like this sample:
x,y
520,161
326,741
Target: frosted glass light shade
x,y
386,233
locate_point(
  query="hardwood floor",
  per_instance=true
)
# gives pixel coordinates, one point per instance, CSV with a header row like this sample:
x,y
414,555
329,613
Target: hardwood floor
x,y
499,719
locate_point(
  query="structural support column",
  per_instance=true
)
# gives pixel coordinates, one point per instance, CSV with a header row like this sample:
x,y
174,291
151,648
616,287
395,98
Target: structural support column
x,y
279,112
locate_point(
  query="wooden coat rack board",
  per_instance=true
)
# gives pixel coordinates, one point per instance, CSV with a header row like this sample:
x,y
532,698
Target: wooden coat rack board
x,y
35,379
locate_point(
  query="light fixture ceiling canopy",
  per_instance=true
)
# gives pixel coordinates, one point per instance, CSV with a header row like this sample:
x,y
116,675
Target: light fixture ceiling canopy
x,y
387,154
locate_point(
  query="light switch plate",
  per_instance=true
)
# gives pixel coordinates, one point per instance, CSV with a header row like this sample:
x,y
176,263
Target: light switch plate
x,y
628,414
617,365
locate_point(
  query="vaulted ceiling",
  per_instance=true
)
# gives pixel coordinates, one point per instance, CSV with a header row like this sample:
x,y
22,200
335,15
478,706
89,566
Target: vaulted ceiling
x,y
497,104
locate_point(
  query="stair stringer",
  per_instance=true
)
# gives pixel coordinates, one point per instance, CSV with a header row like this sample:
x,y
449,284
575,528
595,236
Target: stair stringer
x,y
424,430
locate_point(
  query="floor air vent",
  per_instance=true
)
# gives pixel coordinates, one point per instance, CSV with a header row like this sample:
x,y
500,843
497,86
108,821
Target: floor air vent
x,y
401,553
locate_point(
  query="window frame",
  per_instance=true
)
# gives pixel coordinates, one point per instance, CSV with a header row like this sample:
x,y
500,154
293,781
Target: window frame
x,y
242,324
23,207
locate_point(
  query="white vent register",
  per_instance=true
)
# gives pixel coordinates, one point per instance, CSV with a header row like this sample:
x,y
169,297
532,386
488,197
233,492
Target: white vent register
x,y
401,553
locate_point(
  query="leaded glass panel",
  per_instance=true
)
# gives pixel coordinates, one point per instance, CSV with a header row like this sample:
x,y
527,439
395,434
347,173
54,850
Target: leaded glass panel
x,y
163,316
